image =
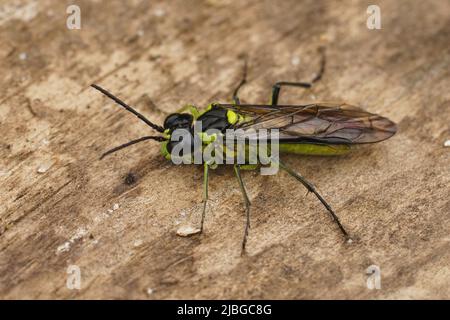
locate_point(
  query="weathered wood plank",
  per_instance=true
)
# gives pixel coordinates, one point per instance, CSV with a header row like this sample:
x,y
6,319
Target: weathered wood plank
x,y
393,197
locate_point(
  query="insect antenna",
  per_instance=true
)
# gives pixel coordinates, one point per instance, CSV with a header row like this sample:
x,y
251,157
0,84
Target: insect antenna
x,y
157,138
128,108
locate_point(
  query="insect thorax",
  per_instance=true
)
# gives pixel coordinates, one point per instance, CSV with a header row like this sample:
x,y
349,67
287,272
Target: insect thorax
x,y
213,119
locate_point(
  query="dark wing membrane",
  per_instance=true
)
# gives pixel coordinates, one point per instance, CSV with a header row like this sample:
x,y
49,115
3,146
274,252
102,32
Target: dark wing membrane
x,y
330,123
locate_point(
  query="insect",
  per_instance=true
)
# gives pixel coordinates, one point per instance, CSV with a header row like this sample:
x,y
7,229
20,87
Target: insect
x,y
309,129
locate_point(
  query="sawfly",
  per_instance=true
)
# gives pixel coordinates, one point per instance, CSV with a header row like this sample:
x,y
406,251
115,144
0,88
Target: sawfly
x,y
318,128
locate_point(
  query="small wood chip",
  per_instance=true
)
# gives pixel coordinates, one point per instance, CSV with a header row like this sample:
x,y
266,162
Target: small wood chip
x,y
186,231
43,168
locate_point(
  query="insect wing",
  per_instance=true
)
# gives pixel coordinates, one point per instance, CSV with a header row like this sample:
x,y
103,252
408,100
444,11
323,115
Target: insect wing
x,y
329,123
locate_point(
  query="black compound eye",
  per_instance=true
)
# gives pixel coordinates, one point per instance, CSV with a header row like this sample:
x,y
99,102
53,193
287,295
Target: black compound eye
x,y
185,144
178,120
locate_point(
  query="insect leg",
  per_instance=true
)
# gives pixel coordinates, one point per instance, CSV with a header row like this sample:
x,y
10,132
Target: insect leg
x,y
205,193
277,86
243,81
237,171
311,188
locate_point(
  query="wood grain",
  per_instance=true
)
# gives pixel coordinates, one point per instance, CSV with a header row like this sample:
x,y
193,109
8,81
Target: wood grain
x,y
393,197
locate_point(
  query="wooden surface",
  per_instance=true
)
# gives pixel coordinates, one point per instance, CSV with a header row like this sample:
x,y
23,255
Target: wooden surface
x,y
393,197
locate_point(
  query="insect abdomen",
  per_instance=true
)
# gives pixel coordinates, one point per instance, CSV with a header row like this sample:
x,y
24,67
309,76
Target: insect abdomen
x,y
314,149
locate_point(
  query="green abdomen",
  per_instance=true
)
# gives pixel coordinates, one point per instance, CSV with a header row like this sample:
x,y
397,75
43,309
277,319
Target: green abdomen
x,y
314,149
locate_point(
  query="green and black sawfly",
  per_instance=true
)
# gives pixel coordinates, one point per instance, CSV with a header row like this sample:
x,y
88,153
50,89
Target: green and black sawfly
x,y
318,128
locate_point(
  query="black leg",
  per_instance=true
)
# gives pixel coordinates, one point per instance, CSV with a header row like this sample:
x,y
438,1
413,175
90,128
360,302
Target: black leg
x,y
311,188
243,81
277,86
237,170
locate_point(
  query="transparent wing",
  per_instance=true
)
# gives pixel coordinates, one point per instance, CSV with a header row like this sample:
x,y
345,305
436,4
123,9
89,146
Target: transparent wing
x,y
330,123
